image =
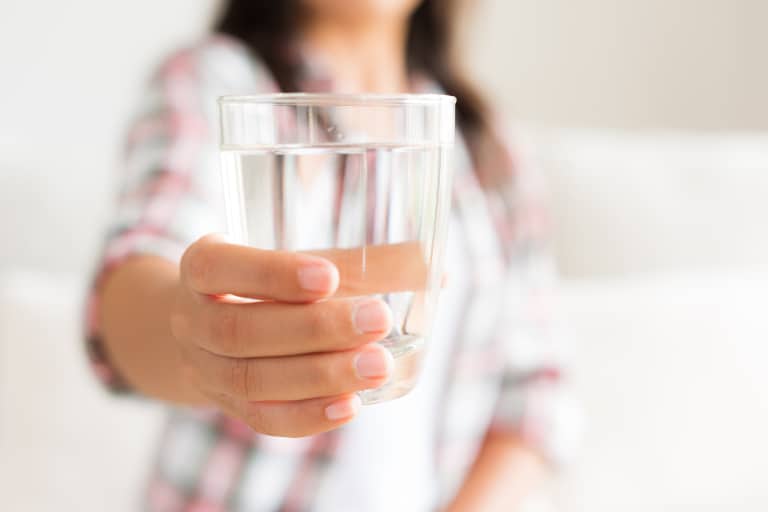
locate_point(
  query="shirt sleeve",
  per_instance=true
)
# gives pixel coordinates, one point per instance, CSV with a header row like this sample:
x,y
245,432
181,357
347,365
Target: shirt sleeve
x,y
170,190
534,399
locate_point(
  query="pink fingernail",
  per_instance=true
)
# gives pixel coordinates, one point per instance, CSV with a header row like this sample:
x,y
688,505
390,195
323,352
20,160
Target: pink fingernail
x,y
318,277
343,409
373,363
371,315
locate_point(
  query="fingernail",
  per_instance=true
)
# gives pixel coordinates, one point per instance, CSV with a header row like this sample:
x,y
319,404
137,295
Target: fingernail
x,y
371,315
375,362
343,409
318,277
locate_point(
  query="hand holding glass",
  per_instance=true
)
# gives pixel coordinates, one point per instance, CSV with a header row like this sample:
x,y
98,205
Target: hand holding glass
x,y
361,180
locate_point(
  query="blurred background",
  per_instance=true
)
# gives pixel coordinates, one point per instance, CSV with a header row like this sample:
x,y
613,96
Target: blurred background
x,y
650,121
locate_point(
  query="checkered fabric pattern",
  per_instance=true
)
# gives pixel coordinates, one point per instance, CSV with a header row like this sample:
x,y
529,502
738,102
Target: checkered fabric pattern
x,y
505,371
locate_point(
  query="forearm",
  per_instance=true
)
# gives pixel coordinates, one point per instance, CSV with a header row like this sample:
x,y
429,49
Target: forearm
x,y
136,302
505,473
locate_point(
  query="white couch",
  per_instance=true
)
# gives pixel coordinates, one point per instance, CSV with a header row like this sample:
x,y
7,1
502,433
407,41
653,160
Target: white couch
x,y
672,372
664,308
64,443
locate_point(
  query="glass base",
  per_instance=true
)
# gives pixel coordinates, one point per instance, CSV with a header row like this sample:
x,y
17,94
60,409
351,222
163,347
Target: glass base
x,y
407,352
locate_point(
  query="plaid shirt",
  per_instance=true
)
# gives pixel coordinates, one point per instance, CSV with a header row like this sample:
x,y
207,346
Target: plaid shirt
x,y
503,370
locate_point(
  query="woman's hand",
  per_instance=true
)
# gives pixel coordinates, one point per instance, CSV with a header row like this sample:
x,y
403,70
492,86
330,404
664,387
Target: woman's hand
x,y
289,364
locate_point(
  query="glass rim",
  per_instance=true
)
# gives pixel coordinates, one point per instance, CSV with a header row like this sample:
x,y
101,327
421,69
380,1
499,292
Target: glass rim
x,y
337,99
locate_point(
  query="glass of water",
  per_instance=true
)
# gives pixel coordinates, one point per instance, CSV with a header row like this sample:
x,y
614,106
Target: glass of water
x,y
363,180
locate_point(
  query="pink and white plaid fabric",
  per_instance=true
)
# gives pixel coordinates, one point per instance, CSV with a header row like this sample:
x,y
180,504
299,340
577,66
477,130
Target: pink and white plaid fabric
x,y
504,366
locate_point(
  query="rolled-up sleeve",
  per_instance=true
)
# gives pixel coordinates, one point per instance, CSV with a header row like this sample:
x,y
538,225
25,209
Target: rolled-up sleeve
x,y
535,401
170,188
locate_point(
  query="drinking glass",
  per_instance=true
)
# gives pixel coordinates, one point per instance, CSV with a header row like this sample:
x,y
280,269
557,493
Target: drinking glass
x,y
363,180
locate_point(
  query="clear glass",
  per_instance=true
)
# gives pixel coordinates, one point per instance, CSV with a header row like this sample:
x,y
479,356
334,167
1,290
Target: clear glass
x,y
363,180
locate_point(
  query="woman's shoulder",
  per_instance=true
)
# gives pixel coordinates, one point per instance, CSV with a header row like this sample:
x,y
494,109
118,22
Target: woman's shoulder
x,y
218,60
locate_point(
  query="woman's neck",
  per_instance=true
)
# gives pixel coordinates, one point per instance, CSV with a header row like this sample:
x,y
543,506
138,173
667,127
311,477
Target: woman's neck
x,y
366,57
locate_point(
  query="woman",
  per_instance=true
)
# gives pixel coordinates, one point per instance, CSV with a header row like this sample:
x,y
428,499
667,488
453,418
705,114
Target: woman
x,y
475,432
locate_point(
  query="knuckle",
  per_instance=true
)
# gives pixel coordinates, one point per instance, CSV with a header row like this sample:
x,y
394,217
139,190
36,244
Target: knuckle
x,y
332,320
322,376
238,377
255,385
318,319
269,279
246,381
223,329
258,419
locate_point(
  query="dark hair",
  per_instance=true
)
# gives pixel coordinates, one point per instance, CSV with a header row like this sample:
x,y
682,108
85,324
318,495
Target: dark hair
x,y
268,28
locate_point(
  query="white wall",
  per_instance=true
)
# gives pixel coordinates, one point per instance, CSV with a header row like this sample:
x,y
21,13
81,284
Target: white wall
x,y
672,64
628,204
71,72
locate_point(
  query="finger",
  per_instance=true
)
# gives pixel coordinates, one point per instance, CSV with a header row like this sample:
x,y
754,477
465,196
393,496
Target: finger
x,y
291,419
378,269
263,329
212,266
294,377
